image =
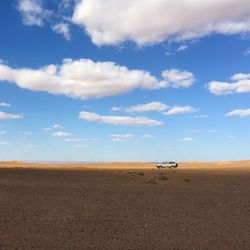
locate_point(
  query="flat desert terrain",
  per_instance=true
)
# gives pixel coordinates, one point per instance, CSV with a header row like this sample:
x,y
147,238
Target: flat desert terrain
x,y
125,206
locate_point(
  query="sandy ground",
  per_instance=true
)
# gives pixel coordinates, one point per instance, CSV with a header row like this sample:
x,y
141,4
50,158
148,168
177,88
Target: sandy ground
x,y
125,206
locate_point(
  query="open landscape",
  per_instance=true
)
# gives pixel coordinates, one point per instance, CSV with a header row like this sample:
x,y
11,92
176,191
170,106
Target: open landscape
x,y
124,206
124,125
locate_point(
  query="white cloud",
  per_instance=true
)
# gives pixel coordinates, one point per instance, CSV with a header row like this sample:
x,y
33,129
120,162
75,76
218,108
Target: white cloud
x,y
182,48
125,137
61,134
56,126
180,110
187,139
177,78
152,106
115,109
72,139
119,120
147,136
4,104
113,22
239,112
2,132
32,12
3,142
82,79
47,129
7,116
63,29
241,84
201,116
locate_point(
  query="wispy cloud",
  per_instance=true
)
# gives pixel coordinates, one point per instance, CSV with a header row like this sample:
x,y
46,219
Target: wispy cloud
x,y
152,106
32,12
24,132
147,136
4,104
122,137
180,110
3,142
182,48
62,134
187,139
119,120
72,139
7,116
201,116
2,132
55,126
63,29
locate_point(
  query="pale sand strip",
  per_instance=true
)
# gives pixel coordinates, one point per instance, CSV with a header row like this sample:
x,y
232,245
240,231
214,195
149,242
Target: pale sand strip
x,y
130,165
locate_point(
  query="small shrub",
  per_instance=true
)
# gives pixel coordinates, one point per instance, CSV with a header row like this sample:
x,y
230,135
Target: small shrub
x,y
162,178
140,173
187,180
151,181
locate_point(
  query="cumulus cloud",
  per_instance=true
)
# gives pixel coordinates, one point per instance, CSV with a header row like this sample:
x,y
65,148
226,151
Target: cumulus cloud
x,y
187,139
4,104
180,110
239,112
63,29
119,120
7,116
152,106
61,134
81,78
177,78
113,22
240,84
32,12
119,138
247,52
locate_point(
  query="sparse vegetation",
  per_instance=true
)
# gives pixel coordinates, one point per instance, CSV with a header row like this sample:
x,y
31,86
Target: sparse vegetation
x,y
151,181
136,173
163,177
140,173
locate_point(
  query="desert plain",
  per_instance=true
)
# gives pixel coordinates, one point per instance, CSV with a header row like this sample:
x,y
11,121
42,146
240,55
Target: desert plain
x,y
125,206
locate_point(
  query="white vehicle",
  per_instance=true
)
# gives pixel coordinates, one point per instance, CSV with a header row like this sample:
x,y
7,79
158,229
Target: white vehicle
x,y
167,164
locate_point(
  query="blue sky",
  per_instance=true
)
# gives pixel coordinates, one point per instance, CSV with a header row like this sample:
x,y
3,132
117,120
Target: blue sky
x,y
95,81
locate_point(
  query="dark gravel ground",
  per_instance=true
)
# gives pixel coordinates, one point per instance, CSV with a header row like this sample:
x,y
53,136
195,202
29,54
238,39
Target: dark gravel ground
x,y
111,209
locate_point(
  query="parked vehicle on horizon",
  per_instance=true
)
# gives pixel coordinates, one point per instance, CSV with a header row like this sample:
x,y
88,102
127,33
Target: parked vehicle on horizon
x,y
167,164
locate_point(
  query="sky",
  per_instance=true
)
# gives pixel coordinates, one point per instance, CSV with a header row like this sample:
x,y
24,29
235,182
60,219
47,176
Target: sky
x,y
91,80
